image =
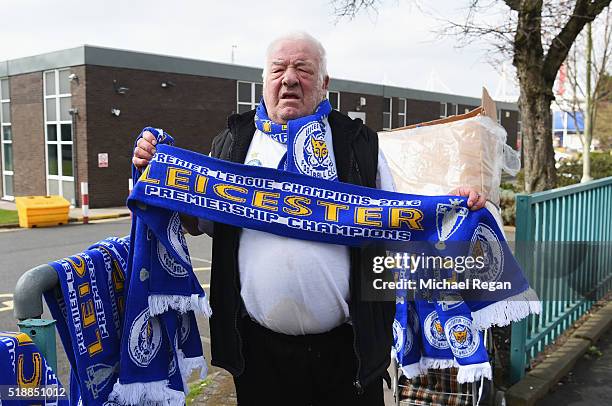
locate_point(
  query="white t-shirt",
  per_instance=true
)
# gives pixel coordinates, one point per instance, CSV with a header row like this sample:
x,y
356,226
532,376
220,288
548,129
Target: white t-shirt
x,y
288,285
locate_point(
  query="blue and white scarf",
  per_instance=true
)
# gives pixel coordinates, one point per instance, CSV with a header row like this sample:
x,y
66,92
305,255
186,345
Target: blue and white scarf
x,y
407,343
305,137
23,367
465,341
88,308
160,343
292,204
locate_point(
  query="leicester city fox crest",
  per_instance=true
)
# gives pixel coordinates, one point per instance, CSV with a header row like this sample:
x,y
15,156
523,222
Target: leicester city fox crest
x,y
448,220
178,245
169,263
434,333
177,239
464,340
145,339
311,154
485,244
398,336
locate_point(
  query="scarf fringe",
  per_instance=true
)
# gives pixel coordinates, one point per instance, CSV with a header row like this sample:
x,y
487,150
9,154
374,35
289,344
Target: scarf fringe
x,y
413,370
156,392
438,363
507,311
188,365
471,373
159,304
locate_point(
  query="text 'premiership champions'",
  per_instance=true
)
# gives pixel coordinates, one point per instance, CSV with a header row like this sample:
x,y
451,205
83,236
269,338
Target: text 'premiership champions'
x,y
294,205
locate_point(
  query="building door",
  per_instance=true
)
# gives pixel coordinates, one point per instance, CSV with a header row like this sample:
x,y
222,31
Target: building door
x,y
358,114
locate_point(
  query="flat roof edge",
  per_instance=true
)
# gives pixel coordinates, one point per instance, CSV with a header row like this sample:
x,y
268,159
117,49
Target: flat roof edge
x,y
50,60
118,58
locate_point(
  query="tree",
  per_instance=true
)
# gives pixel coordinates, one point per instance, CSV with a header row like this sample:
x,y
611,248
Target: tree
x,y
538,37
587,64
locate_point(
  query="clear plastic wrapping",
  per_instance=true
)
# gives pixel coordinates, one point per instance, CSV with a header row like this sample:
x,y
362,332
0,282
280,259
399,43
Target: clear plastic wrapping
x,y
436,159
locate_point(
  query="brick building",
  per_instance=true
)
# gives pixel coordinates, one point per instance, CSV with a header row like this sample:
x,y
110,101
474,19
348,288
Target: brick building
x,y
71,116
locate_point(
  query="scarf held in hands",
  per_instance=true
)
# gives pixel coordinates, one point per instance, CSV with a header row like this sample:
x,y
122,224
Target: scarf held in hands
x,y
292,204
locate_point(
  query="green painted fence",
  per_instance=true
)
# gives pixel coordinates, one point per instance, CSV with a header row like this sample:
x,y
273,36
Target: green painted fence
x,y
564,243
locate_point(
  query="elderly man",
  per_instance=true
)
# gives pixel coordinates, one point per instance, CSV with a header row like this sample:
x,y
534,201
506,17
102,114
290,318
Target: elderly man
x,y
288,322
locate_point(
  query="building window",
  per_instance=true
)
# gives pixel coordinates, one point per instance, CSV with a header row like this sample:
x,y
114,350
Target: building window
x,y
58,134
387,110
248,95
6,141
401,113
334,99
448,109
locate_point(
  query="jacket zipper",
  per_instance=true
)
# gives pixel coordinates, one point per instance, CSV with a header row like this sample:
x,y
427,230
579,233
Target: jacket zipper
x,y
357,382
237,244
237,313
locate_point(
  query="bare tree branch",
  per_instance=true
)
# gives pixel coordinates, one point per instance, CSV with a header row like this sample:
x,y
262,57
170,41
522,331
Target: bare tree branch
x,y
537,35
350,8
584,11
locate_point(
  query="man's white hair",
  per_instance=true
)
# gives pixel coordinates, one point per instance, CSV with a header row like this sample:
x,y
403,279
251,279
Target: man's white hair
x,y
299,36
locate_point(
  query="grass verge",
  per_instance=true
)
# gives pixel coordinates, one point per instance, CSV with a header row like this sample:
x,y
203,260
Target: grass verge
x,y
195,390
8,216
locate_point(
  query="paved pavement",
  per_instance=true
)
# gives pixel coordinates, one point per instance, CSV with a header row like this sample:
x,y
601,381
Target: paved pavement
x,y
590,382
76,213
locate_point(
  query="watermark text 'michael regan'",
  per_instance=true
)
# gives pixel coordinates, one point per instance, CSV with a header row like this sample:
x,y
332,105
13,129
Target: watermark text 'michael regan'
x,y
441,284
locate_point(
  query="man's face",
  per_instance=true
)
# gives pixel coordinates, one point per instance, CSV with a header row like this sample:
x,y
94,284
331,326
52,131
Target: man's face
x,y
293,87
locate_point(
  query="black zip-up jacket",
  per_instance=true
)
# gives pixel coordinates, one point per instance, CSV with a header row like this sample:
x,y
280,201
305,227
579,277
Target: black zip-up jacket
x,y
356,152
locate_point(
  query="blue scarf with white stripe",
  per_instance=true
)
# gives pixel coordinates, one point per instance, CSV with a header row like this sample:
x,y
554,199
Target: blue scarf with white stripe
x,y
160,342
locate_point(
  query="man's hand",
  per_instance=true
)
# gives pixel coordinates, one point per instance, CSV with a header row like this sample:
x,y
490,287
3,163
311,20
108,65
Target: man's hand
x,y
475,200
144,151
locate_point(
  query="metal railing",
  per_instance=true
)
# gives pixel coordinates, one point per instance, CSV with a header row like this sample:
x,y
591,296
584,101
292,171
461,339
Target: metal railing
x,y
28,309
564,244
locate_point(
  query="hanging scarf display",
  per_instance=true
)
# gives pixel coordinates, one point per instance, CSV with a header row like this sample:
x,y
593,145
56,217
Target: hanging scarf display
x,y
87,307
436,352
406,333
25,377
464,340
160,343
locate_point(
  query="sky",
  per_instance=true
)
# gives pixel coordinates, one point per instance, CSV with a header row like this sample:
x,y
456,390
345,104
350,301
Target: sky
x,y
397,45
